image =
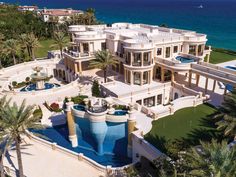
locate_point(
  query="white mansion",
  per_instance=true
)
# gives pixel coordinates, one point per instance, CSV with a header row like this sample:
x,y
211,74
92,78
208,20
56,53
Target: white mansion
x,y
149,58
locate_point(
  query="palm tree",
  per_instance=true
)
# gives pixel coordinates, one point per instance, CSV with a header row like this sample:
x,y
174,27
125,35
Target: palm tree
x,y
14,122
33,44
23,40
210,159
11,48
60,41
227,115
4,141
103,59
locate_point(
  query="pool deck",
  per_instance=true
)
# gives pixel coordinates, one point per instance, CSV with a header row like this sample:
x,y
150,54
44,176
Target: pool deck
x,y
229,63
41,161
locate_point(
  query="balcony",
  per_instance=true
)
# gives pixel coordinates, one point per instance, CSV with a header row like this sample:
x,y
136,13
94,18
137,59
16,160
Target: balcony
x,y
77,55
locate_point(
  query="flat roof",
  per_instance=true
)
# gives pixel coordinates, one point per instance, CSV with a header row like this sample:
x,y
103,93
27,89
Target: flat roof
x,y
120,88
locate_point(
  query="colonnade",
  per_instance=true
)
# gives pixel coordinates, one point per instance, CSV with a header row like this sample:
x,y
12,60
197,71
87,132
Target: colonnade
x,y
197,76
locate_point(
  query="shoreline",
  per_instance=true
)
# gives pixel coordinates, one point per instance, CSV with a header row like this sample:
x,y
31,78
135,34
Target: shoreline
x,y
110,17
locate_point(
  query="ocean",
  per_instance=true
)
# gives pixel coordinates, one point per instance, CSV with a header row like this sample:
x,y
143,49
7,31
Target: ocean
x,y
217,18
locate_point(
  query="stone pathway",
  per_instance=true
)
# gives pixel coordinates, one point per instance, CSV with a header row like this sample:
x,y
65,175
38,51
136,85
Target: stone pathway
x,y
42,161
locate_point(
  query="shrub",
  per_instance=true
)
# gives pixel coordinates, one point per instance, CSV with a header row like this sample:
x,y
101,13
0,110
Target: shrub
x,y
55,107
14,83
96,89
120,107
79,99
27,79
38,112
21,84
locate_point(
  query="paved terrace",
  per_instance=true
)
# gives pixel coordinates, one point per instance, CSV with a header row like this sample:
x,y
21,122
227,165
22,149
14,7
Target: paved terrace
x,y
42,161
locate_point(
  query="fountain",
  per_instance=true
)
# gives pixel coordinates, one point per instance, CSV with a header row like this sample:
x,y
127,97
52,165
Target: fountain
x,y
39,78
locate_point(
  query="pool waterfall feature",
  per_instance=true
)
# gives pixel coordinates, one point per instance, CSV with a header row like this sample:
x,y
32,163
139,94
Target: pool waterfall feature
x,y
99,126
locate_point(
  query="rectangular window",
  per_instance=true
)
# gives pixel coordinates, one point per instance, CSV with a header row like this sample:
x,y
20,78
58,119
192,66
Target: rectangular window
x,y
200,50
86,47
159,99
167,52
128,58
192,49
146,58
145,77
121,49
137,78
149,102
158,73
175,49
137,59
159,51
103,46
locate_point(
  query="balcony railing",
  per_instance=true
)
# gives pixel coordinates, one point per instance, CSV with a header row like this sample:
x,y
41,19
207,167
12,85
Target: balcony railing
x,y
75,54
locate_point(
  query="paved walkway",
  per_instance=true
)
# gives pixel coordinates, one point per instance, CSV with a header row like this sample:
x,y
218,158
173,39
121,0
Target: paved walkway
x,y
41,161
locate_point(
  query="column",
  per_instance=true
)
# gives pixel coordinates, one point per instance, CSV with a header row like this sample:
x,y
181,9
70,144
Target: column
x,y
206,84
190,78
141,78
131,78
75,67
80,67
142,58
89,48
131,128
214,86
172,76
197,79
125,75
196,50
208,58
81,47
71,124
131,58
162,74
151,75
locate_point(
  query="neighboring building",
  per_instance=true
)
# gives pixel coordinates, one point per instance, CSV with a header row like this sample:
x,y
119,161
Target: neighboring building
x,y
28,8
60,15
150,57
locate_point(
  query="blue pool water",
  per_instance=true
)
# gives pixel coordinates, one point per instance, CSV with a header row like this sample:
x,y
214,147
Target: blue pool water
x,y
79,107
228,86
120,112
184,59
231,67
111,136
32,87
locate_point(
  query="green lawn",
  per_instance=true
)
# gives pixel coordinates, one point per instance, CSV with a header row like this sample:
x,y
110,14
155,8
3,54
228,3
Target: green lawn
x,y
189,124
221,55
42,51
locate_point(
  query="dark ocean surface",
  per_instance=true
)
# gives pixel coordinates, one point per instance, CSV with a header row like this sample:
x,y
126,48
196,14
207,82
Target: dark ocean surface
x,y
217,18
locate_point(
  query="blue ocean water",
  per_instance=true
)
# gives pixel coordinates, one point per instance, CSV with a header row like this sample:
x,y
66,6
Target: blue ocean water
x,y
217,18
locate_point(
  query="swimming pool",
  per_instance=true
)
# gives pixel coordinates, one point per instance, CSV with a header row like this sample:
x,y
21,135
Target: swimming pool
x,y
32,87
231,67
88,134
184,59
120,112
79,107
